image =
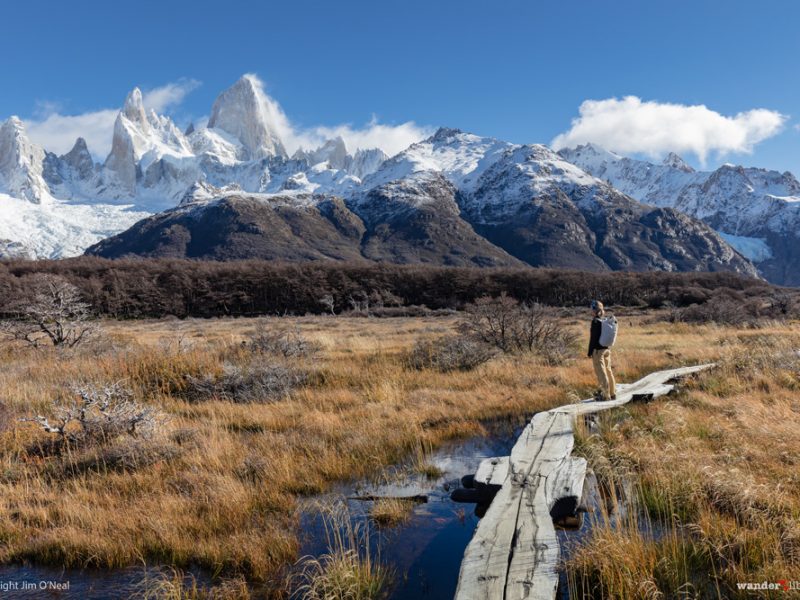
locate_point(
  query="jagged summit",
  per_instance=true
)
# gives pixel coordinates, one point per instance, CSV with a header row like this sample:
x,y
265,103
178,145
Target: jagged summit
x,y
21,163
244,111
79,158
133,108
676,162
444,133
334,152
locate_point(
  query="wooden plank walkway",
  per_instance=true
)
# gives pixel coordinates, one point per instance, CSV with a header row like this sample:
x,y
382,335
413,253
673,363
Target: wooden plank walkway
x,y
514,551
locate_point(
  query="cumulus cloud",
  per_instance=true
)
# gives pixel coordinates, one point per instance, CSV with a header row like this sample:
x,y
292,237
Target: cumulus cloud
x,y
57,132
631,125
373,134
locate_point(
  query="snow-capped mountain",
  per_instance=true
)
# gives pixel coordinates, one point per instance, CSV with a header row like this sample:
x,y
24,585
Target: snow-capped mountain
x,y
755,210
153,166
454,198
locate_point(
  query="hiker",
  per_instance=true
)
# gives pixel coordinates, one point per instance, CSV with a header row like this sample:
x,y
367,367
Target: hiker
x,y
602,335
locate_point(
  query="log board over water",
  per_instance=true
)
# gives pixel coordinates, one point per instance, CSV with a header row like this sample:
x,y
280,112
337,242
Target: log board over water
x,y
514,551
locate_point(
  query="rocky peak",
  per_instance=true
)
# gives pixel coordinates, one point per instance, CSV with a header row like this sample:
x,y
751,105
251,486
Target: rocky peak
x,y
79,158
445,134
366,162
133,109
334,152
245,112
21,163
676,162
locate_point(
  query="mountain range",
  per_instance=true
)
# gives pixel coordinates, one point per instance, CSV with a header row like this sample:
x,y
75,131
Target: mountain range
x,y
229,190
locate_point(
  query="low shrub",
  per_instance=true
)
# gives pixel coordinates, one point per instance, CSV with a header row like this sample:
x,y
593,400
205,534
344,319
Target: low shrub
x,y
255,382
98,416
286,343
450,353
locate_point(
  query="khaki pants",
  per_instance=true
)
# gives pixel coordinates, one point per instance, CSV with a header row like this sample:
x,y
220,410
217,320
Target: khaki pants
x,y
601,359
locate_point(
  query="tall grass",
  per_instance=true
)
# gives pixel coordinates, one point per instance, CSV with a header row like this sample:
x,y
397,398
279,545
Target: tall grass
x,y
717,493
348,570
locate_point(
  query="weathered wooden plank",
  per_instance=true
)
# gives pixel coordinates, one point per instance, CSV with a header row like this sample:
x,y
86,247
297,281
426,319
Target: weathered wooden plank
x,y
492,471
484,569
532,569
514,551
566,482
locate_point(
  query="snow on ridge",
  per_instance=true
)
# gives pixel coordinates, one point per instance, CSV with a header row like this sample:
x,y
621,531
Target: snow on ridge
x,y
59,229
754,249
746,200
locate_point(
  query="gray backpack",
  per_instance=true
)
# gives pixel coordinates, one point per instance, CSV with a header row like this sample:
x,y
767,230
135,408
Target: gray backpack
x,y
608,331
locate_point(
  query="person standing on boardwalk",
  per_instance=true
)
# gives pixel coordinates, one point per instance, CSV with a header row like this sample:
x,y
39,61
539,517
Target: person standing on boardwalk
x,y
602,330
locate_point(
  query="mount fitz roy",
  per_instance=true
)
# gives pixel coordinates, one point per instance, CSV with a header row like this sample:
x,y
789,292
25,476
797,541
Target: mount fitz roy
x,y
230,190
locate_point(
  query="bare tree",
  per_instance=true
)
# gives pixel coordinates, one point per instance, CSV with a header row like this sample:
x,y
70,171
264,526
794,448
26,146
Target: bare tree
x,y
513,327
100,414
359,302
328,302
54,312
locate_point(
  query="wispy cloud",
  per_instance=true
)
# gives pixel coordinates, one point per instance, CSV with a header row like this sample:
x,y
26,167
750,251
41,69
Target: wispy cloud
x,y
57,132
631,125
373,134
162,98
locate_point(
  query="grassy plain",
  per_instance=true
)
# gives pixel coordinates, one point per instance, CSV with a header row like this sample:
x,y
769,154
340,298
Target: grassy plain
x,y
218,486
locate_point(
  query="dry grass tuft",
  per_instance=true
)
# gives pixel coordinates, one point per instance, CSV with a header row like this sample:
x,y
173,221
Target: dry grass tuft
x,y
174,584
348,570
391,511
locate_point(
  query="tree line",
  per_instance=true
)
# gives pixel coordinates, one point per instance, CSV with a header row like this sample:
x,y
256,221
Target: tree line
x,y
137,288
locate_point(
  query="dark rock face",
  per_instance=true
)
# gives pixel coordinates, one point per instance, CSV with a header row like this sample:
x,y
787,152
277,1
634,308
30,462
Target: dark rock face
x,y
241,227
417,220
315,228
547,231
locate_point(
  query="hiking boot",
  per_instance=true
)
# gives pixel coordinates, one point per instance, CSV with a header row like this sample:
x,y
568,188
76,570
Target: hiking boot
x,y
614,397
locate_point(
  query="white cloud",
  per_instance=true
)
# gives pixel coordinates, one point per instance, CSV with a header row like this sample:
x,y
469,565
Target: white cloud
x,y
57,132
389,138
630,125
167,96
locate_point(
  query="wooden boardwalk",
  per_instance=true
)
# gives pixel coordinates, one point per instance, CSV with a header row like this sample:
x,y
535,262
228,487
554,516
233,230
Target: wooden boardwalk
x,y
514,551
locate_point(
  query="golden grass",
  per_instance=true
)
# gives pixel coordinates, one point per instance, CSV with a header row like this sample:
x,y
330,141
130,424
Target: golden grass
x,y
391,511
716,488
349,570
174,584
227,501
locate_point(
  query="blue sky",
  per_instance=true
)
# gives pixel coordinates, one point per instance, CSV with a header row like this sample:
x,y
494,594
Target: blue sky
x,y
517,70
